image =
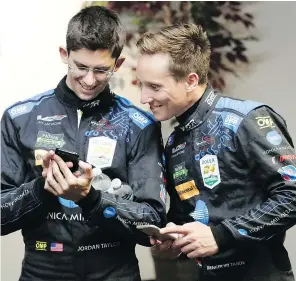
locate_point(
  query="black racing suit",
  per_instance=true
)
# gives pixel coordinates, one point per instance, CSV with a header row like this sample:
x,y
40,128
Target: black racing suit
x,y
231,165
95,240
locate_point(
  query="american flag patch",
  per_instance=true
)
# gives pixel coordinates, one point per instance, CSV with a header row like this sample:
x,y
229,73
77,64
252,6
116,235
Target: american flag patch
x,y
56,247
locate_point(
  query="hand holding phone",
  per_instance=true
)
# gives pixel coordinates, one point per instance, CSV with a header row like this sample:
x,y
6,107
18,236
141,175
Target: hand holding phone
x,y
69,156
153,231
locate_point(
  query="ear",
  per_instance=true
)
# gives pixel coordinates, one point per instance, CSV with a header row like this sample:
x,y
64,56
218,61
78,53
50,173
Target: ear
x,y
192,81
63,54
119,62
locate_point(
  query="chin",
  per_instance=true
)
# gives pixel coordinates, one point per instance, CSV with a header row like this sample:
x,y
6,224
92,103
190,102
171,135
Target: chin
x,y
87,97
161,117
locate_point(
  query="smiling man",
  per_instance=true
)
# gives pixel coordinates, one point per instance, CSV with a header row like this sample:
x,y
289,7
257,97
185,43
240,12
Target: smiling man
x,y
232,189
72,229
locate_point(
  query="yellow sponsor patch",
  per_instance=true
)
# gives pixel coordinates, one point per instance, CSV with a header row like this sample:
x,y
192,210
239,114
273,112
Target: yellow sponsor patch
x,y
187,190
41,246
38,156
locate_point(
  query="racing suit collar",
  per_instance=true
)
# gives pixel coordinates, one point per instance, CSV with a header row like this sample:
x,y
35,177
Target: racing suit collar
x,y
68,97
195,114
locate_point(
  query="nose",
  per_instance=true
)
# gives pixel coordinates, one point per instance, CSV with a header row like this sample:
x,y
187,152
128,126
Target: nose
x,y
89,79
145,98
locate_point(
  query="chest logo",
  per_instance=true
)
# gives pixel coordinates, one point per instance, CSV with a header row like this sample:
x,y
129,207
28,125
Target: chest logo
x,y
187,190
210,171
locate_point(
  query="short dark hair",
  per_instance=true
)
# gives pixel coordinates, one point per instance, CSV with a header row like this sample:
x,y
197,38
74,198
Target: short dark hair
x,y
186,44
96,28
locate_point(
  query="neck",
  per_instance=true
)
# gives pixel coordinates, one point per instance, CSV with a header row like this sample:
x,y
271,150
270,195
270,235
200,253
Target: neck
x,y
194,97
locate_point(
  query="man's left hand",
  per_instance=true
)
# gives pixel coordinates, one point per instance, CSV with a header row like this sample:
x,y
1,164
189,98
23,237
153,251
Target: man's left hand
x,y
198,239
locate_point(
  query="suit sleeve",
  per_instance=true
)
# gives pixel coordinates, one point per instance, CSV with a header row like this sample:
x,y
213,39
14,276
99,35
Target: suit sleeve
x,y
266,145
22,199
145,170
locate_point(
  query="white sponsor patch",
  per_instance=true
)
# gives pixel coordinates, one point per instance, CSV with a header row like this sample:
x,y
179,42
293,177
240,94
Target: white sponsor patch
x,y
210,171
101,151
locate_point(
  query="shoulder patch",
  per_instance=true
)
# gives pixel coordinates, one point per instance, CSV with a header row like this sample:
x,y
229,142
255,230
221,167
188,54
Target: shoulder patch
x,y
243,107
140,117
26,106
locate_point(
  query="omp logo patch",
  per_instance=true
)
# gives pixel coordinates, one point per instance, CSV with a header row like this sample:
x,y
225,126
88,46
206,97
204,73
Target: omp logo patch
x,y
187,190
19,110
210,99
265,122
41,246
139,119
39,153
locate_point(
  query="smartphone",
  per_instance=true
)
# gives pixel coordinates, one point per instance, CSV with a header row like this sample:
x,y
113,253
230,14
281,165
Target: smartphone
x,y
69,156
153,231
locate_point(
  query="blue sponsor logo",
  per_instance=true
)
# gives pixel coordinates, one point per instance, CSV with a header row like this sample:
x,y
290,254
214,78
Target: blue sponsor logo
x,y
274,137
200,212
139,119
91,133
242,231
67,203
170,140
163,159
109,212
288,173
23,108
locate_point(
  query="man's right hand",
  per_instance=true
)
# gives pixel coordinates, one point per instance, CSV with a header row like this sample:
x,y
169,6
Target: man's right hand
x,y
46,160
164,249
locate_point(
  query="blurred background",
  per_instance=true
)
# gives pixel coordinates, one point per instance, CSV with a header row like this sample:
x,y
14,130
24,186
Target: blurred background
x,y
253,57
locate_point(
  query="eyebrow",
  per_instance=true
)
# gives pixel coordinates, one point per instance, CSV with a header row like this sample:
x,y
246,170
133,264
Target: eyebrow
x,y
153,84
97,67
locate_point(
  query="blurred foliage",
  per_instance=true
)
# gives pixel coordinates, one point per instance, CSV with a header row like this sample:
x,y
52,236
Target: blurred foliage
x,y
216,17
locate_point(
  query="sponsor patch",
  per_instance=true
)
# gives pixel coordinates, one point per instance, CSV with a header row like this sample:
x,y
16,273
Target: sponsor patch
x,y
20,109
187,190
180,172
231,121
265,122
288,173
39,153
274,149
178,147
109,212
139,119
210,99
210,170
49,141
101,151
283,158
274,137
67,203
170,140
41,246
242,231
51,118
200,212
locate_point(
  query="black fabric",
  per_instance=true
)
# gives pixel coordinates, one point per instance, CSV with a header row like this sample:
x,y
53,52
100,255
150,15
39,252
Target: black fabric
x,y
94,239
231,165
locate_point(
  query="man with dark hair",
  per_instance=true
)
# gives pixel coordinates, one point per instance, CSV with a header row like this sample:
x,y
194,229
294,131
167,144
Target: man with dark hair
x,y
231,165
74,226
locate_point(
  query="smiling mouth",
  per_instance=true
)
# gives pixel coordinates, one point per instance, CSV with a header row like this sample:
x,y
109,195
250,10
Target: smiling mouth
x,y
87,89
154,107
